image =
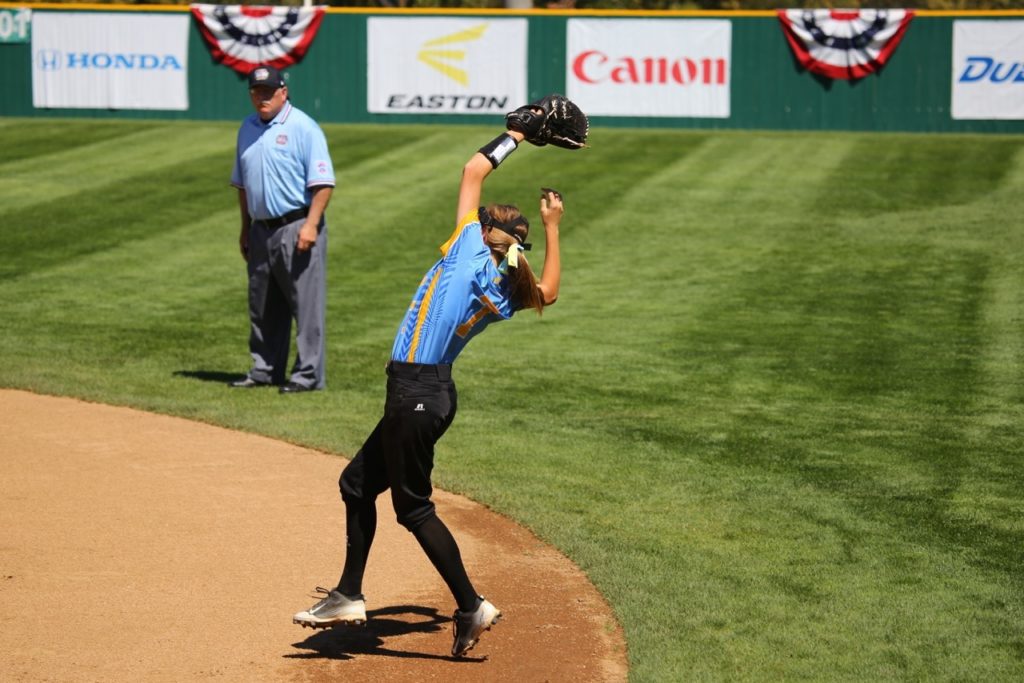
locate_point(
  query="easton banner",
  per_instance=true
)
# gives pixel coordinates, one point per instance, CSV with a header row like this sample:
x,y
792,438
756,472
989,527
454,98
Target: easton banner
x,y
988,70
95,60
844,44
445,65
244,36
649,67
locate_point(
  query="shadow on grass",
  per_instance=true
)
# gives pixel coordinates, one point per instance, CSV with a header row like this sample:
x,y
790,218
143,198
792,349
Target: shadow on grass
x,y
210,375
345,642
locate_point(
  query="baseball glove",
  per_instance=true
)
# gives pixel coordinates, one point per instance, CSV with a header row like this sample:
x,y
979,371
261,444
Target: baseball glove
x,y
552,120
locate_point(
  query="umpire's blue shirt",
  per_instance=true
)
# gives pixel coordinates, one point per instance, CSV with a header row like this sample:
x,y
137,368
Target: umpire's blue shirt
x,y
277,162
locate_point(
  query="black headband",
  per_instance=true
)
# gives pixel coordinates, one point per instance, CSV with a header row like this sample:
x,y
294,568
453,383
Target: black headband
x,y
490,221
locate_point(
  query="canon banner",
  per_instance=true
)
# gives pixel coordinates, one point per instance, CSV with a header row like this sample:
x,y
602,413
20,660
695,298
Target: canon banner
x,y
649,67
109,61
445,66
988,70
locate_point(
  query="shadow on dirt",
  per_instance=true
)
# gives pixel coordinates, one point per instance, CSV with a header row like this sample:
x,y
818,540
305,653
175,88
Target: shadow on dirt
x,y
345,642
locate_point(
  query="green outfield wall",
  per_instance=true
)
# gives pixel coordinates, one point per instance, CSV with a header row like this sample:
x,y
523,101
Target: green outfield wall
x,y
769,90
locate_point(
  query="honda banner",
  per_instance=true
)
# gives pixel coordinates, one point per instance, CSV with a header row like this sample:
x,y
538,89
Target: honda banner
x,y
109,61
445,66
988,70
649,67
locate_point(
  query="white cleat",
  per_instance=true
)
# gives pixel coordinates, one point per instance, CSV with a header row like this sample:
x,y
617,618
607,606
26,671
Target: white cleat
x,y
469,626
333,609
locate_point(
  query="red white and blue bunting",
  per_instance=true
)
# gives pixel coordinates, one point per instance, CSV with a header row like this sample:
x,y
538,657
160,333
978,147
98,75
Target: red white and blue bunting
x,y
244,36
844,44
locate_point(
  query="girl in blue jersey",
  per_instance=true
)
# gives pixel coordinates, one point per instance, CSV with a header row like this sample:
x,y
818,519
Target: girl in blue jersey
x,y
482,277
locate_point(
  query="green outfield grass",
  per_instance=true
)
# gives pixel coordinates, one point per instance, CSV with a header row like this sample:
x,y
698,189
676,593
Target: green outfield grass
x,y
776,414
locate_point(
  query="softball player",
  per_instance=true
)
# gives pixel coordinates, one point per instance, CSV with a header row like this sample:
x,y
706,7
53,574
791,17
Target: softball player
x,y
482,277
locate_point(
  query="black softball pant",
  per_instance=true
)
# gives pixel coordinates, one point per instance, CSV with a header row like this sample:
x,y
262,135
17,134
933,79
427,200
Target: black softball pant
x,y
399,454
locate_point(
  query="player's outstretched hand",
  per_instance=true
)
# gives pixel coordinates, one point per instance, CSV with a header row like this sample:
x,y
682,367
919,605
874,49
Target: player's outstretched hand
x,y
551,207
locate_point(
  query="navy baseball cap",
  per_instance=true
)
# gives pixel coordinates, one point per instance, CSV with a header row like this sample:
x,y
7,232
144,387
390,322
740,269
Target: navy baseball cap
x,y
265,75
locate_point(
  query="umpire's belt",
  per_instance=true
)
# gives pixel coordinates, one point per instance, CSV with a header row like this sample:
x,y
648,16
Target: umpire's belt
x,y
441,371
290,217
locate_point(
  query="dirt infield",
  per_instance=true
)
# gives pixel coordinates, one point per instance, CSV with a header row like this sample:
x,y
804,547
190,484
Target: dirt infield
x,y
148,548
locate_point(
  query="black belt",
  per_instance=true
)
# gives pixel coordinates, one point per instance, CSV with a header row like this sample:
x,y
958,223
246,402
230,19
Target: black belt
x,y
290,217
441,371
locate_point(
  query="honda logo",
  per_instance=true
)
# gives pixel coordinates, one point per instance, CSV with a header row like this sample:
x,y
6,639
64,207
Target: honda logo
x,y
48,60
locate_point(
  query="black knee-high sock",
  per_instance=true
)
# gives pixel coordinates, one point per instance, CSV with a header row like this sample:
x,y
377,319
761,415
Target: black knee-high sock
x,y
439,545
360,527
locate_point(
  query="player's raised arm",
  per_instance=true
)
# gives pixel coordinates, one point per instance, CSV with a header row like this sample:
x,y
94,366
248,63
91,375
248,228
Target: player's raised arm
x,y
479,166
551,210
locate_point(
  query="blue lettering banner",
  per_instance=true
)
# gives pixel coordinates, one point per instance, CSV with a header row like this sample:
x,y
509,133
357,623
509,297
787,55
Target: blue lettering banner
x,y
101,60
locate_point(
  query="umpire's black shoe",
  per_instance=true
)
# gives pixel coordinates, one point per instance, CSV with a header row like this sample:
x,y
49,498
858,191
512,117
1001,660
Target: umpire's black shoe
x,y
247,383
295,388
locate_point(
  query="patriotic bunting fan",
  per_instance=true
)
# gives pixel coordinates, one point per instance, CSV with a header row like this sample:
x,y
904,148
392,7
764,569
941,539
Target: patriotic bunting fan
x,y
243,37
844,44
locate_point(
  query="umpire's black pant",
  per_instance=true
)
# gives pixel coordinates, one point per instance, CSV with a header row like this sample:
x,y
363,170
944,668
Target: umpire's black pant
x,y
420,405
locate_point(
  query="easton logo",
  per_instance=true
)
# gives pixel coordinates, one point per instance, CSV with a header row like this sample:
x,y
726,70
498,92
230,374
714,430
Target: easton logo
x,y
437,55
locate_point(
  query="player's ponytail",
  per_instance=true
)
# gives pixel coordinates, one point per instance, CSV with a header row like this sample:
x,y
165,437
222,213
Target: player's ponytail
x,y
525,293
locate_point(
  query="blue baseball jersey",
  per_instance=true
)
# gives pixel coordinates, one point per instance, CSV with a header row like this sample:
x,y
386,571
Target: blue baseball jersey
x,y
461,295
277,162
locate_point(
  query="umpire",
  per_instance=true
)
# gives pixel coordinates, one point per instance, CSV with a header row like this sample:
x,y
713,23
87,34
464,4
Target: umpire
x,y
285,177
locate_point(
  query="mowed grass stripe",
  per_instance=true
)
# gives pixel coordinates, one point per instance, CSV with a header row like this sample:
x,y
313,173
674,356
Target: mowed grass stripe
x,y
167,294
49,231
25,139
198,257
56,176
896,173
414,172
705,232
733,173
353,146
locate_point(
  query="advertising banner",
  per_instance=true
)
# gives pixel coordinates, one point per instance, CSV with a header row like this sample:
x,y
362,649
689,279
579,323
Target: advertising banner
x,y
109,61
445,65
649,67
988,70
